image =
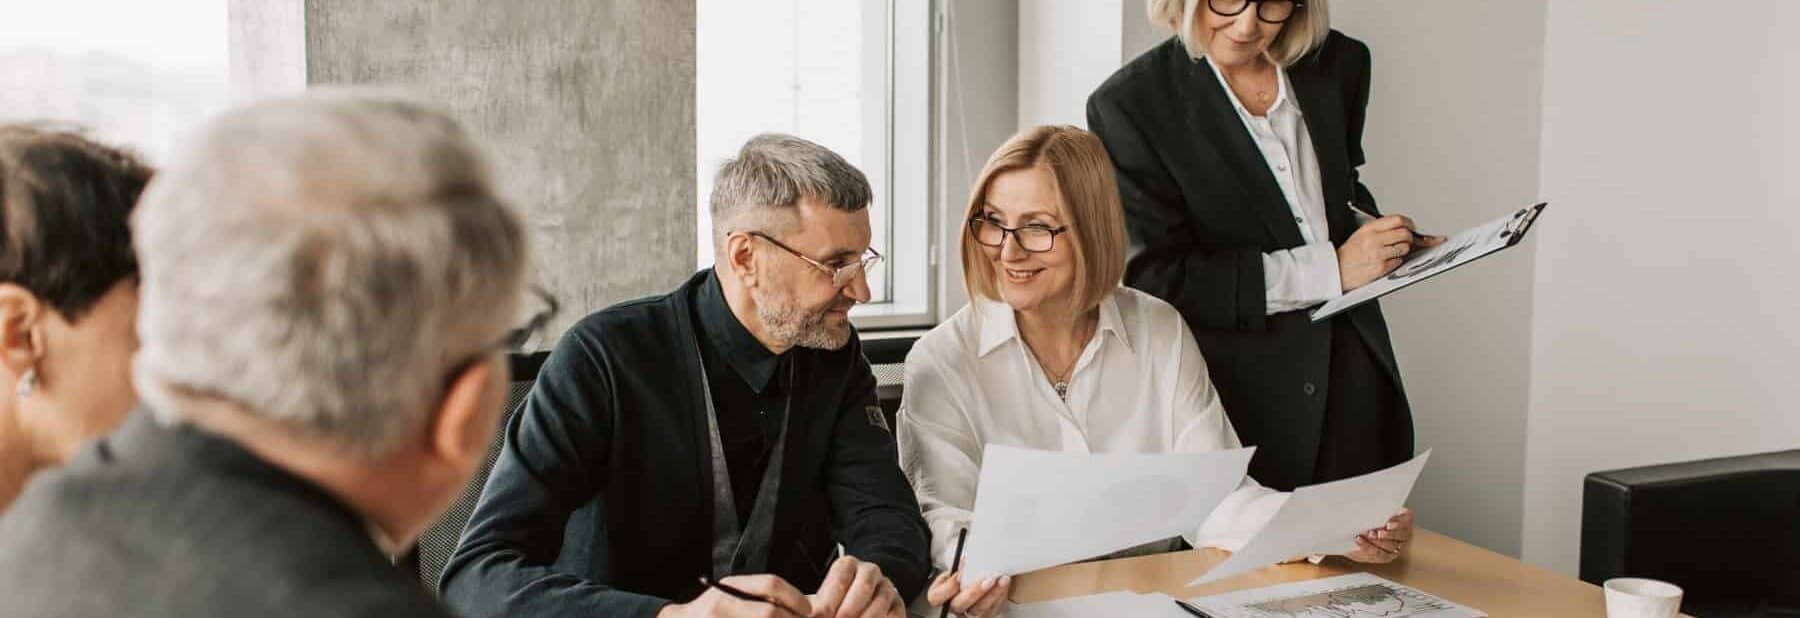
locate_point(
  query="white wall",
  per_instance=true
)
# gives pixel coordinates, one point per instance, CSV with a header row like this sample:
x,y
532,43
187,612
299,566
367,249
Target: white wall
x,y
1650,319
978,93
1066,48
1452,140
267,43
1666,294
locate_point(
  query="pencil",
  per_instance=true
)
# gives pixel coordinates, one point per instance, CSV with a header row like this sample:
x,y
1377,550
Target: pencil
x,y
956,563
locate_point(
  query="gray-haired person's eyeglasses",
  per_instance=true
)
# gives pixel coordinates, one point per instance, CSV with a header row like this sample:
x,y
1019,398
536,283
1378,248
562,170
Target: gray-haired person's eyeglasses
x,y
1033,237
840,275
1269,11
514,340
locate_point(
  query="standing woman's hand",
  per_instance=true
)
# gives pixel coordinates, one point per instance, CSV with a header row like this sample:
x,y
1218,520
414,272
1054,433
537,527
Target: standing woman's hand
x,y
1376,249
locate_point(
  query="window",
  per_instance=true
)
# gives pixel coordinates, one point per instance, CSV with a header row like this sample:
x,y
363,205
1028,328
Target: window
x,y
139,74
852,75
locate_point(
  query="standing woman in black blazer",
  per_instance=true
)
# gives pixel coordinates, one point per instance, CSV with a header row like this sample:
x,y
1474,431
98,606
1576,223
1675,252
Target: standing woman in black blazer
x,y
1237,144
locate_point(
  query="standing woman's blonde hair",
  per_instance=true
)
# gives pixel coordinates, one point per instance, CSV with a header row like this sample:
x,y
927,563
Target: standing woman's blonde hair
x,y
1301,34
1087,202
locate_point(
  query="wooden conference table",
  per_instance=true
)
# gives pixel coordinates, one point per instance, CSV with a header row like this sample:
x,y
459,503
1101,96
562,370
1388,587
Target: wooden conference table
x,y
1497,584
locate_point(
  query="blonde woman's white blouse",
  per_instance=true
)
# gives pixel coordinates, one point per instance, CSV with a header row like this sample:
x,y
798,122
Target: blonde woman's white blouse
x,y
1140,386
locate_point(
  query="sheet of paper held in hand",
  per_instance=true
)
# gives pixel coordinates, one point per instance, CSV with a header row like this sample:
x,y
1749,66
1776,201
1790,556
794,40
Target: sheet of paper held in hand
x,y
1323,519
1358,595
1035,509
1106,604
1464,247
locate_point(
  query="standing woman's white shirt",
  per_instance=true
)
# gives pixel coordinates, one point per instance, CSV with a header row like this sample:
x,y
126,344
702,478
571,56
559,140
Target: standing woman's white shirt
x,y
1140,386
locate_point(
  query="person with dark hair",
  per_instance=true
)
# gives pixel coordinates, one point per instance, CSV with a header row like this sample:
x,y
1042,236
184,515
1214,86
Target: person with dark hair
x,y
68,295
727,430
329,287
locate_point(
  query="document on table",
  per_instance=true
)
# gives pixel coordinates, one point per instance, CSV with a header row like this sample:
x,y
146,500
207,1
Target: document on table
x,y
1323,519
1109,604
1358,595
1035,509
1462,248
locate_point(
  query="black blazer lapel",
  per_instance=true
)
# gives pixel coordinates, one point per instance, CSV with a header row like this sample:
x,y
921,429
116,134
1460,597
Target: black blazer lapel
x,y
1211,110
1322,106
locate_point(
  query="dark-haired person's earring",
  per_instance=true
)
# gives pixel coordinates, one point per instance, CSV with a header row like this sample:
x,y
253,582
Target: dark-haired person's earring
x,y
27,383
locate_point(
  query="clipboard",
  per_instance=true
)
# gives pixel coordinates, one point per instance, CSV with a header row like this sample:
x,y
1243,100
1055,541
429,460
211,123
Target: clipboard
x,y
1464,247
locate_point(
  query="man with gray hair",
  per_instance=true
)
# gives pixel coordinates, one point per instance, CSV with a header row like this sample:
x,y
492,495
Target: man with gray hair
x,y
728,430
326,287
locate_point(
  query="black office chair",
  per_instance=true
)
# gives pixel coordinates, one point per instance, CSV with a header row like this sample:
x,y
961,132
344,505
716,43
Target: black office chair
x,y
439,540
887,359
1726,530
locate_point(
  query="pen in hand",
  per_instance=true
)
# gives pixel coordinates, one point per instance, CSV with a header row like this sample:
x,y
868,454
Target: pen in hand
x,y
1416,236
955,563
739,594
728,589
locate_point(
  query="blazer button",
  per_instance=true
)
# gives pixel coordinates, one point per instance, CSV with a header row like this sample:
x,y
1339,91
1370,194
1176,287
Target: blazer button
x,y
1309,388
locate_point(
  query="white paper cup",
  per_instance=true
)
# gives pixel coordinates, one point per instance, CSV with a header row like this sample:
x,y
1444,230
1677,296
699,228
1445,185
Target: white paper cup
x,y
1634,597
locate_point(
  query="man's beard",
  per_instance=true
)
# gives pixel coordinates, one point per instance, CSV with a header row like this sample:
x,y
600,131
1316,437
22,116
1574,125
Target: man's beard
x,y
789,323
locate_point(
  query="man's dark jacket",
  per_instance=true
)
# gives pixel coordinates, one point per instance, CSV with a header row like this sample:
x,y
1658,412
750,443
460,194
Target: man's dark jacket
x,y
601,501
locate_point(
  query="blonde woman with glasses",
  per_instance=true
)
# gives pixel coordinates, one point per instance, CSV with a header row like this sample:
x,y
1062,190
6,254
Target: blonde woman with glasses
x,y
1237,144
1052,353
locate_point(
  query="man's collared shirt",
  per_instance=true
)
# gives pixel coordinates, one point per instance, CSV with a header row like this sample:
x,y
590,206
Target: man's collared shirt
x,y
749,391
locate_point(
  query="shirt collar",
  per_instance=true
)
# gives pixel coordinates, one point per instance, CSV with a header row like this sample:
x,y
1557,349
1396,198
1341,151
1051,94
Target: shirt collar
x,y
999,325
1281,90
733,342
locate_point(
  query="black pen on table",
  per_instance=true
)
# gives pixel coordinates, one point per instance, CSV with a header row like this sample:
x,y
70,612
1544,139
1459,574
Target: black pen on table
x,y
955,563
1192,609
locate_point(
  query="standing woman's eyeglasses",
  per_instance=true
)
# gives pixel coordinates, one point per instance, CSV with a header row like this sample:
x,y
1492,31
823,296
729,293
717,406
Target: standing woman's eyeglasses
x,y
1269,11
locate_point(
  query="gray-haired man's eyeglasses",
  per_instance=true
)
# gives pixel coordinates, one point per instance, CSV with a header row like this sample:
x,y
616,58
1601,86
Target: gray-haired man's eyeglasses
x,y
840,275
515,339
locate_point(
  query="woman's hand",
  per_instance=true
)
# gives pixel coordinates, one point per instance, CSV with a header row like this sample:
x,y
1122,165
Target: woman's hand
x,y
978,601
1382,545
1377,248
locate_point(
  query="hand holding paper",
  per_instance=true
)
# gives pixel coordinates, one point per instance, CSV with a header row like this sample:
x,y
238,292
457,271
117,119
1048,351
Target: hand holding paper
x,y
1324,519
1035,509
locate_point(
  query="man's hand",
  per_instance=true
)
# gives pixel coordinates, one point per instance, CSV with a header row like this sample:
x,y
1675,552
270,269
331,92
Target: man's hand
x,y
857,589
780,600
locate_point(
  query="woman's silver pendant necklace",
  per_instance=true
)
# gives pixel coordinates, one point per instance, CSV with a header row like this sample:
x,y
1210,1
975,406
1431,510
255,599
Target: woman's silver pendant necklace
x,y
1060,381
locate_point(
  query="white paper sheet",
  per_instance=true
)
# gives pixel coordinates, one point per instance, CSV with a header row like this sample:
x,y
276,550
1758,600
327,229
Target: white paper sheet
x,y
1358,595
1323,519
1035,509
1108,604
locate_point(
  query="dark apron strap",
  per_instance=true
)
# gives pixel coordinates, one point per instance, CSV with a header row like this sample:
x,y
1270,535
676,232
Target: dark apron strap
x,y
736,551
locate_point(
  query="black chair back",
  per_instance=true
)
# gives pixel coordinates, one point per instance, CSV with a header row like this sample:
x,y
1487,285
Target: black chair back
x,y
887,360
1726,530
440,540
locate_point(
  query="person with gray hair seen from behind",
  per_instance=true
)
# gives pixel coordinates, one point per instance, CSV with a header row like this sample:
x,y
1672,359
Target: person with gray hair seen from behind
x,y
327,282
728,430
